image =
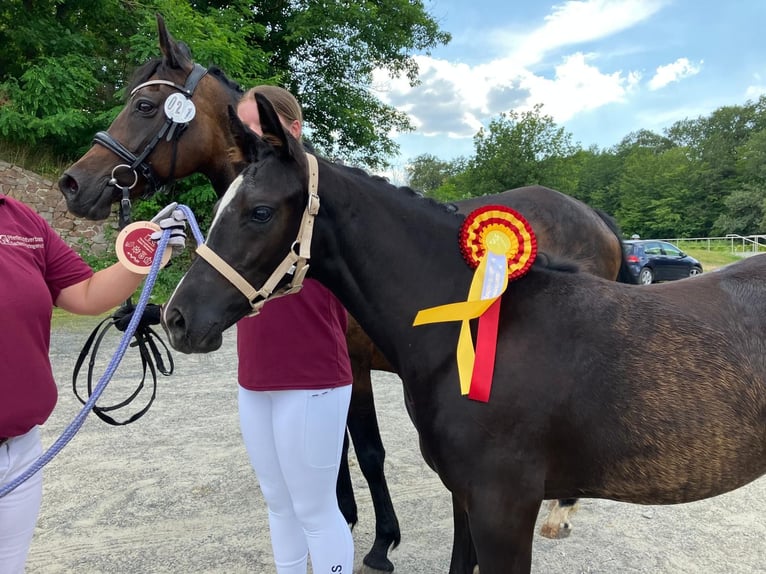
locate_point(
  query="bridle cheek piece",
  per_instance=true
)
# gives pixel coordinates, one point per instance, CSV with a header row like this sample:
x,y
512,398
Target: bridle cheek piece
x,y
294,264
171,130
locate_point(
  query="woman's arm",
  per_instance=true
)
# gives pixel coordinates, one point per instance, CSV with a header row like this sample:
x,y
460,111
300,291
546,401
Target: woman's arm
x,y
103,291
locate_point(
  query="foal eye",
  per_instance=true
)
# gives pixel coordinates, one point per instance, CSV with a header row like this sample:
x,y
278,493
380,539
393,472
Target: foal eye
x,y
261,214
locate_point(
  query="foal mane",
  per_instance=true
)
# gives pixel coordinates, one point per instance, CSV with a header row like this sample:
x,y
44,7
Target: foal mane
x,y
383,182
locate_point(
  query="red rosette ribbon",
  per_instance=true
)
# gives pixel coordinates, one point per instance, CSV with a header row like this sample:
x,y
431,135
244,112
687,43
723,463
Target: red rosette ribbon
x,y
500,245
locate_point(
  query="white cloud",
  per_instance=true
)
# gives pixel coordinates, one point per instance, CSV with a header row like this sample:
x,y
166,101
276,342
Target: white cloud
x,y
576,87
575,22
455,99
678,70
754,91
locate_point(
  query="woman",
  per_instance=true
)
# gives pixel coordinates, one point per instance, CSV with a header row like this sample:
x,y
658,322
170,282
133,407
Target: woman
x,y
294,392
40,270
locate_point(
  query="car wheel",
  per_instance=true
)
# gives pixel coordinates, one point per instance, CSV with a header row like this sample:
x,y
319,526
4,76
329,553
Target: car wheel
x,y
694,271
645,277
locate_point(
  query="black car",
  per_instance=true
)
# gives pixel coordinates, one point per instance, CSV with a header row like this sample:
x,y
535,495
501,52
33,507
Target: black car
x,y
651,261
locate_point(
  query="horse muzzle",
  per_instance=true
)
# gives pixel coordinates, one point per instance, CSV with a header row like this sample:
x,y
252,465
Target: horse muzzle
x,y
184,338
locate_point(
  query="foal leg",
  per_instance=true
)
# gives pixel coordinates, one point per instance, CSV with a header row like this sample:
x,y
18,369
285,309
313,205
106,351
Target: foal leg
x,y
502,529
557,523
463,560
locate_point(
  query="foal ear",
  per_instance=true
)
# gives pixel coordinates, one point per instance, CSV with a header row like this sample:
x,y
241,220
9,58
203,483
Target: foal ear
x,y
177,54
246,140
270,124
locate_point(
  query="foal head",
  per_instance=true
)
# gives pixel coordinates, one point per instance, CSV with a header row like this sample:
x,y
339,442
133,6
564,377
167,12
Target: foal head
x,y
255,227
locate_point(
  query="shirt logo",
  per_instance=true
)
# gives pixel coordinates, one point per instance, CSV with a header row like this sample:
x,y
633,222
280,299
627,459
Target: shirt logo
x,y
20,241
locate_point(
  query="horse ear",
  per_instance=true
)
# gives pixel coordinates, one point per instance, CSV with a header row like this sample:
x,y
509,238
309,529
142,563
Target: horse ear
x,y
177,54
246,140
270,123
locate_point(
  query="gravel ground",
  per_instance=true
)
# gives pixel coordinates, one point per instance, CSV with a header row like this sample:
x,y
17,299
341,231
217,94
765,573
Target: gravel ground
x,y
173,493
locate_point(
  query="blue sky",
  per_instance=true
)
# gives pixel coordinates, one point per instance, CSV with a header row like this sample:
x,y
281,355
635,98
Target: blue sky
x,y
601,68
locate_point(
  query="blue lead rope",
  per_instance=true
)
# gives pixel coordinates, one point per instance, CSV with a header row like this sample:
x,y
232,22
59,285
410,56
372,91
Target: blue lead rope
x,y
78,421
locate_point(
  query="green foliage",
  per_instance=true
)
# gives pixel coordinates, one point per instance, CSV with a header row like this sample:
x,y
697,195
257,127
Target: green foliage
x,y
513,150
65,63
325,52
426,173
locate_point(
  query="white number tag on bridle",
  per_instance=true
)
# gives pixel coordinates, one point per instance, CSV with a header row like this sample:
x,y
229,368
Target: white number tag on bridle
x,y
179,108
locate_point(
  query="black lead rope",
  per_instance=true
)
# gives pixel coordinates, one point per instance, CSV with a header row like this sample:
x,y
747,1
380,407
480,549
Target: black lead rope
x,y
146,339
148,342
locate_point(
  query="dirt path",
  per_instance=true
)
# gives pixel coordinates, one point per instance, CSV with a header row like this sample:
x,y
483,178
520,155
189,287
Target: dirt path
x,y
173,494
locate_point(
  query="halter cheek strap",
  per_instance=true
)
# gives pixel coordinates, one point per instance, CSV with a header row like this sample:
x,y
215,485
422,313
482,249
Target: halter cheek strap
x,y
294,263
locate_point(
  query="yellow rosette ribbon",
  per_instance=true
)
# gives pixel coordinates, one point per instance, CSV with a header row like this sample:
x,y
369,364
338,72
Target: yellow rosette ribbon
x,y
500,244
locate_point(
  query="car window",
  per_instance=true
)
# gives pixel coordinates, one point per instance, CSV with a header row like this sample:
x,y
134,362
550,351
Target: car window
x,y
653,249
670,249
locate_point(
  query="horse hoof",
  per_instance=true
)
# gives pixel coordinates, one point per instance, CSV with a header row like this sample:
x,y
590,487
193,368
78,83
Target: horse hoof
x,y
558,532
367,569
376,565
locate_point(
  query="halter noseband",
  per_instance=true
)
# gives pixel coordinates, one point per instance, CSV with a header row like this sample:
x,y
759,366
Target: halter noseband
x,y
295,264
171,130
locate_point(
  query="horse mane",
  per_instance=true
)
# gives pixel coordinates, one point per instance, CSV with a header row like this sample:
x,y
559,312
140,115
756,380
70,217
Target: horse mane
x,y
149,68
219,74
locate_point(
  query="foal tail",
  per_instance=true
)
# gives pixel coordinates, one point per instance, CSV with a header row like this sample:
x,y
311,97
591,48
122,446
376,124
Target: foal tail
x,y
624,275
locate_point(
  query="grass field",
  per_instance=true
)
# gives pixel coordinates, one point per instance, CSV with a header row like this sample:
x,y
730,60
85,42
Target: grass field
x,y
712,259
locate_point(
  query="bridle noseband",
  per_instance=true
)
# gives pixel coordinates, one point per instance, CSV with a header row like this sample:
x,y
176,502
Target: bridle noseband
x,y
294,263
171,130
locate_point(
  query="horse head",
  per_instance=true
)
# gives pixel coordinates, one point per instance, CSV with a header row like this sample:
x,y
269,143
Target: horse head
x,y
173,125
253,233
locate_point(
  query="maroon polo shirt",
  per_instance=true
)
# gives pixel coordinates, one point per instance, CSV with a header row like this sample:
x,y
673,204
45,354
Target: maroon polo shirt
x,y
296,342
35,265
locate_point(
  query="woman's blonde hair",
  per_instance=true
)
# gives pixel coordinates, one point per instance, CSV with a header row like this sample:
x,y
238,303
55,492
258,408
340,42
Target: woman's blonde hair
x,y
283,101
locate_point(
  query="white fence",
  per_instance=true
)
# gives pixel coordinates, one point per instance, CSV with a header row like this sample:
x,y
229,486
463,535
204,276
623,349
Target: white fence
x,y
738,244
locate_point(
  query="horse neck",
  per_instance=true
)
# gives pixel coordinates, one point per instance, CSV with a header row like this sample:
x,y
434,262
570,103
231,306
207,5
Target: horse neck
x,y
218,168
386,253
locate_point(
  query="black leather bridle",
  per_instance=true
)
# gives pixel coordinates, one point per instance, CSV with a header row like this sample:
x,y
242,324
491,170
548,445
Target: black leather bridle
x,y
138,164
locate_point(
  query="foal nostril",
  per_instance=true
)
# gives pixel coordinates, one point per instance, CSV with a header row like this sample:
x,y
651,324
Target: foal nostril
x,y
68,184
174,320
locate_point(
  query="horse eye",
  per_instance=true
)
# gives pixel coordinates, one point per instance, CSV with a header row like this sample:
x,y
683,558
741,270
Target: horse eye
x,y
261,214
144,106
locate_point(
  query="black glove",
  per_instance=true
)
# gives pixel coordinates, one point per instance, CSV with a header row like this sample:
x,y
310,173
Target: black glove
x,y
123,315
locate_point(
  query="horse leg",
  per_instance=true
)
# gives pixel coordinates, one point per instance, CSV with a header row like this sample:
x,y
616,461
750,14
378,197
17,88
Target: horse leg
x,y
344,488
502,533
363,427
463,560
364,430
557,523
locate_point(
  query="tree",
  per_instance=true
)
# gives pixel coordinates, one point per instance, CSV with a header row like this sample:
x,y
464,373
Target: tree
x,y
427,173
65,62
326,53
512,152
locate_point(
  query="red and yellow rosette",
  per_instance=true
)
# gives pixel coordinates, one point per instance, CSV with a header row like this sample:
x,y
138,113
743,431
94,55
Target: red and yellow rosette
x,y
500,244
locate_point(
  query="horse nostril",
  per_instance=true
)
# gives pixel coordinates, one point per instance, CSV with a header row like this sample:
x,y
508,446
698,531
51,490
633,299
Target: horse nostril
x,y
68,184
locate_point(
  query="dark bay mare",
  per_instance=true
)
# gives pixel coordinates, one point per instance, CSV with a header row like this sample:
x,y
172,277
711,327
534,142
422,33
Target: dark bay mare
x,y
572,413
138,141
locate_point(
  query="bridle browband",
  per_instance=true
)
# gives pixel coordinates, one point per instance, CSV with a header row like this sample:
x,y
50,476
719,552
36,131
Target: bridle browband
x,y
170,130
295,262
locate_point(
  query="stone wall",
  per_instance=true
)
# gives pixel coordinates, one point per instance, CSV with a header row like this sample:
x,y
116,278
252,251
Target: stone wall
x,y
45,198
